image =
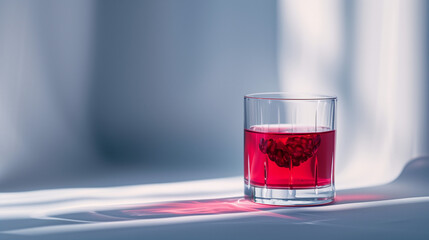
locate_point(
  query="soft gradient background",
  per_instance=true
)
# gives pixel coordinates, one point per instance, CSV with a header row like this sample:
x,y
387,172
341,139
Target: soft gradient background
x,y
101,93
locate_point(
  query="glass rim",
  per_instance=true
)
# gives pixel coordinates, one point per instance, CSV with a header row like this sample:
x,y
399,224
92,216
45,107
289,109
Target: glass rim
x,y
289,96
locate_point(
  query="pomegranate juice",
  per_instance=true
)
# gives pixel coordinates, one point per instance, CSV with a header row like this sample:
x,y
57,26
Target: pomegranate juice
x,y
282,157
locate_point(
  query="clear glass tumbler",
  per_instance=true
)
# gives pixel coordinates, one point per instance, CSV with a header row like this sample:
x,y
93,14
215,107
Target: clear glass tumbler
x,y
289,148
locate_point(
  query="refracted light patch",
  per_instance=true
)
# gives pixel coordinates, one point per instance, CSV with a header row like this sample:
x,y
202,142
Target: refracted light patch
x,y
201,207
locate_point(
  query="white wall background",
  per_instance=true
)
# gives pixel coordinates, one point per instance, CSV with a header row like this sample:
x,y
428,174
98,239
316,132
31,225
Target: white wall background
x,y
86,85
371,54
129,86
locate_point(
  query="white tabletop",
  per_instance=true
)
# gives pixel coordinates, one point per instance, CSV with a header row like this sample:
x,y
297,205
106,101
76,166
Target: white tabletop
x,y
215,209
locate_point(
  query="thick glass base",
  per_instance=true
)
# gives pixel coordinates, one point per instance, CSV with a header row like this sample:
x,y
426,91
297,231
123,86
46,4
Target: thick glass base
x,y
290,197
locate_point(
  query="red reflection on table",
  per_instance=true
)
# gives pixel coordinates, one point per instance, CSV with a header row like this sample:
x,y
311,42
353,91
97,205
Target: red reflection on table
x,y
205,207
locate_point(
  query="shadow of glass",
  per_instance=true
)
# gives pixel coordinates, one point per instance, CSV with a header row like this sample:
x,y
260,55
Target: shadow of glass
x,y
177,209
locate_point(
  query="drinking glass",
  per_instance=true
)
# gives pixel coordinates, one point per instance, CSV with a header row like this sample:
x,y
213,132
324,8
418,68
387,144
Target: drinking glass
x,y
289,148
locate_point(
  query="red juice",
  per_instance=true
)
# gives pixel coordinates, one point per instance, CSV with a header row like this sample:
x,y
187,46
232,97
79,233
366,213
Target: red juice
x,y
289,158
